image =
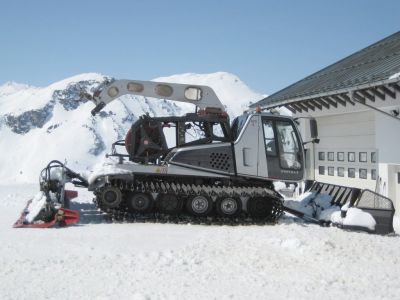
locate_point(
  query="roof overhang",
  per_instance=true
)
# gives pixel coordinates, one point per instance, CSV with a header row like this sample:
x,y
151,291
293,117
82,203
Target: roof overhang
x,y
365,94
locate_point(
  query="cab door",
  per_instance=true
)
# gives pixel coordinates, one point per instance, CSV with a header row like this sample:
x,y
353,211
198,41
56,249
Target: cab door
x,y
247,147
283,149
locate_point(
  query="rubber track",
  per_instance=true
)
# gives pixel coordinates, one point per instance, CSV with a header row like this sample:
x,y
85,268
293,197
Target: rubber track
x,y
123,215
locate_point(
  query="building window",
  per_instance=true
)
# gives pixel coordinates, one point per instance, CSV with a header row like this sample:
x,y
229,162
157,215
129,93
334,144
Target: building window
x,y
352,172
331,171
363,173
321,155
351,157
340,172
321,170
340,156
373,157
362,157
331,156
373,174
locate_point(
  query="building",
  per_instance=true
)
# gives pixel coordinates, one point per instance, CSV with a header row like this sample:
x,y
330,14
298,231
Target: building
x,y
356,102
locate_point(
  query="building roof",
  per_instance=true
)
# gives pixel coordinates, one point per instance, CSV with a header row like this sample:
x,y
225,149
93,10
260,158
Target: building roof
x,y
375,63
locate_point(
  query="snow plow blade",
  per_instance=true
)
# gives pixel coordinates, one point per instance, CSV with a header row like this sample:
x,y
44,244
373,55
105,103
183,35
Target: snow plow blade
x,y
379,207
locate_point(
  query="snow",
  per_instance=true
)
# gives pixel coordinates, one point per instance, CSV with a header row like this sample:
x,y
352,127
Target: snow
x,y
69,135
223,84
395,75
106,167
355,217
100,260
319,206
17,98
313,205
35,206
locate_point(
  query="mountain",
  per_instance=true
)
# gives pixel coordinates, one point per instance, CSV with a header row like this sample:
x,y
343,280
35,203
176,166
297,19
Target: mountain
x,y
39,124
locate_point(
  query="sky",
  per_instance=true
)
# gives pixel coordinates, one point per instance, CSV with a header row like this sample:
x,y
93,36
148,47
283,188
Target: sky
x,y
268,44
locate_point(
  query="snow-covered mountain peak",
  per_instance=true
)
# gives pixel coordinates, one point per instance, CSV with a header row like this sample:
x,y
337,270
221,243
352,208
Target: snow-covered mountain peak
x,y
84,77
233,93
12,87
38,124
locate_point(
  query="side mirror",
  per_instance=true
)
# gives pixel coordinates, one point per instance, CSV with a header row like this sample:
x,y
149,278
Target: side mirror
x,y
313,141
313,128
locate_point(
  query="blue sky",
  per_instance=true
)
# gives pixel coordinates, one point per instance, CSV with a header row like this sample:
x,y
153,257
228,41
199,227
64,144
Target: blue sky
x,y
268,44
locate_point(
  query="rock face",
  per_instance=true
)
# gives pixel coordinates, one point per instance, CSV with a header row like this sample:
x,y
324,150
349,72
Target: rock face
x,y
69,98
54,122
24,122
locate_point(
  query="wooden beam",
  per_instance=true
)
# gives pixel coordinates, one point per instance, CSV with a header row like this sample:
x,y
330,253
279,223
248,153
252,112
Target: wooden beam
x,y
395,86
296,107
323,103
302,106
367,95
316,104
358,97
377,93
347,98
330,101
339,100
388,91
309,105
290,108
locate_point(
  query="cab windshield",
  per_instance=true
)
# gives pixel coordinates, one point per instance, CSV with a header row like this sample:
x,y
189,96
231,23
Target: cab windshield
x,y
281,140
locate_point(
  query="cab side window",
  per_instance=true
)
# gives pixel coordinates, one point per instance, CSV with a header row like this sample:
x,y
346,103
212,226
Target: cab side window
x,y
269,138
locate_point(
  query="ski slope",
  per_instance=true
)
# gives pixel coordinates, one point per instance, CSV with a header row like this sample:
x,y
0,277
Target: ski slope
x,y
100,260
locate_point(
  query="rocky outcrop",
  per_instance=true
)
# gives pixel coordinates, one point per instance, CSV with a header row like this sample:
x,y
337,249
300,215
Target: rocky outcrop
x,y
28,120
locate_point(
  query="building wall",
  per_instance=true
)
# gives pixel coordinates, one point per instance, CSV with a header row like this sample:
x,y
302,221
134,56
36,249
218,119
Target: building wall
x,y
346,154
356,129
387,138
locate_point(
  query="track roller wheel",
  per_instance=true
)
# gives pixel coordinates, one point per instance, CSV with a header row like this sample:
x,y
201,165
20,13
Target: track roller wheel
x,y
169,203
140,202
228,206
111,197
260,207
199,205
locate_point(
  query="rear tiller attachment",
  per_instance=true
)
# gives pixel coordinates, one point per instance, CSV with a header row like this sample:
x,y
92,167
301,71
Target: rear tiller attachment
x,y
50,207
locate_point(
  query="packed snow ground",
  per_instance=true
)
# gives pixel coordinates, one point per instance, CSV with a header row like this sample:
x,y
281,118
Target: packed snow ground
x,y
100,260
